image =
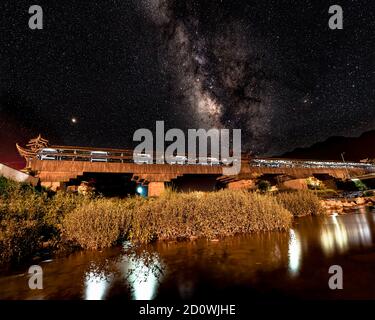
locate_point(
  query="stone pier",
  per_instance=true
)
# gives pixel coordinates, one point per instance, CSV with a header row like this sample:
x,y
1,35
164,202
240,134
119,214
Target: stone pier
x,y
241,185
296,184
155,189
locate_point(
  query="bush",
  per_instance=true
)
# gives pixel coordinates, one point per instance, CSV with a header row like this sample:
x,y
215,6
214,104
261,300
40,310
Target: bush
x,y
263,185
368,193
29,218
6,186
300,203
18,239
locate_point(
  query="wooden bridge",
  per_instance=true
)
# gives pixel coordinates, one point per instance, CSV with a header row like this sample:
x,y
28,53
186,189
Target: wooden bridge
x,y
57,166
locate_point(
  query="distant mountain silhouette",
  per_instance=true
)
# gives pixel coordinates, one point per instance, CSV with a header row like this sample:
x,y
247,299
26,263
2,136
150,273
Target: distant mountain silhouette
x,y
355,148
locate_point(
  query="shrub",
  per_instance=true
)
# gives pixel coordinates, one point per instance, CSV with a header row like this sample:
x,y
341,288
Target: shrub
x,y
6,186
21,226
28,218
300,203
18,239
263,185
369,193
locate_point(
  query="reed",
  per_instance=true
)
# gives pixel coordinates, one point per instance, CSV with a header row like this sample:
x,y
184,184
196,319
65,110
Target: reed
x,y
174,216
301,203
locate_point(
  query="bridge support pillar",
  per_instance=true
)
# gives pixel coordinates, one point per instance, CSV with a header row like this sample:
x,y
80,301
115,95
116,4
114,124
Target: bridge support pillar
x,y
54,186
241,185
156,188
296,184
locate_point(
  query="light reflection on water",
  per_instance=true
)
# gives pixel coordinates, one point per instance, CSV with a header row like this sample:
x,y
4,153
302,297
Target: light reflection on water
x,y
294,252
142,274
96,286
332,235
342,234
143,278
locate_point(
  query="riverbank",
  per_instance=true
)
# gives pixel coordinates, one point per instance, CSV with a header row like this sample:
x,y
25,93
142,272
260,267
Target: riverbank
x,y
33,220
340,204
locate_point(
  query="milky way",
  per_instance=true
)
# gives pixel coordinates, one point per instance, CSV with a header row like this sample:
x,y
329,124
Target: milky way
x,y
220,73
232,74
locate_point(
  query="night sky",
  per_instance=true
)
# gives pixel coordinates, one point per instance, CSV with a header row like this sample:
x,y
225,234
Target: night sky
x,y
271,68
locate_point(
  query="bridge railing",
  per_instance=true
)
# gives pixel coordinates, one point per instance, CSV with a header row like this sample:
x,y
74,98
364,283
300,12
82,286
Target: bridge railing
x,y
286,163
56,153
59,154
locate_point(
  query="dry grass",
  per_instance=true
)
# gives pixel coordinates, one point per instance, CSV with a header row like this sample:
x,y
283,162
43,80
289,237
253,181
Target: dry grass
x,y
301,203
174,216
100,223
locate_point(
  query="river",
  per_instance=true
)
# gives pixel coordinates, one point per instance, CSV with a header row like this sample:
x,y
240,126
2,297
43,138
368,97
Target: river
x,y
277,265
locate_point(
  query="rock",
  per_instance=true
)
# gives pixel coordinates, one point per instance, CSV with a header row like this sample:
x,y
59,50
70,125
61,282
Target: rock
x,y
73,189
332,204
360,201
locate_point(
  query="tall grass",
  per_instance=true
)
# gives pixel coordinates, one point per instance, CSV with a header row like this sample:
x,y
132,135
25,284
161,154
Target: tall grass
x,y
174,216
100,222
300,203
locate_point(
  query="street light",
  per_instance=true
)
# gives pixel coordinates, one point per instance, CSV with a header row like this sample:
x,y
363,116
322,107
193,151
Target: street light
x,y
346,168
140,190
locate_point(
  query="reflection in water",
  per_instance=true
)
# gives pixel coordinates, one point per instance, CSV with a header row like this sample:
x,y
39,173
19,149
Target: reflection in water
x,y
96,285
340,235
364,233
333,238
294,253
143,275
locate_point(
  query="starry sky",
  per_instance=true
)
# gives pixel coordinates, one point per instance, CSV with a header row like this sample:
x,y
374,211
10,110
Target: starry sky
x,y
100,70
